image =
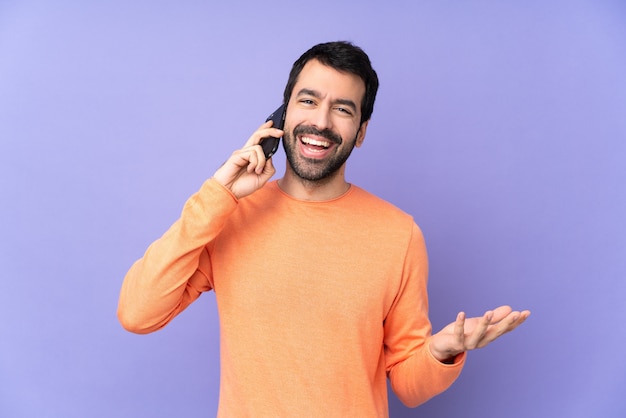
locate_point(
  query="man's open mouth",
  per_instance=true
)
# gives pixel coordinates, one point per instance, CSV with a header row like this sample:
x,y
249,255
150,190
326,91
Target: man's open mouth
x,y
315,143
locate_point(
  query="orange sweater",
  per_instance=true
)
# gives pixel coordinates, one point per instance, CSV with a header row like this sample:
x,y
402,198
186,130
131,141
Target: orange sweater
x,y
318,301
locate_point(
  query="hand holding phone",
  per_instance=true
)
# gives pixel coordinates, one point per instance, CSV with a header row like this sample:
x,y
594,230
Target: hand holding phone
x,y
270,143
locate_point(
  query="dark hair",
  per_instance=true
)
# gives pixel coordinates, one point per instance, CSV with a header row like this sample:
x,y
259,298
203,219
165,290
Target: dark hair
x,y
344,57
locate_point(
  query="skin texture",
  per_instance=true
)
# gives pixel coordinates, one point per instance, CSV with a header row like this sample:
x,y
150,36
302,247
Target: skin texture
x,y
325,108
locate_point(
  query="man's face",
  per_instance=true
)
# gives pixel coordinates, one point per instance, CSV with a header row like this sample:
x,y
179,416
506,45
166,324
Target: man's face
x,y
322,121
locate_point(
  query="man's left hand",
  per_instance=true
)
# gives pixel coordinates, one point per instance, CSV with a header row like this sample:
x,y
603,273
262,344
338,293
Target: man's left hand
x,y
466,334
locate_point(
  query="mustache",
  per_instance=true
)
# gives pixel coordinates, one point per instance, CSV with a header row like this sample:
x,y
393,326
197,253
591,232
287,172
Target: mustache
x,y
311,130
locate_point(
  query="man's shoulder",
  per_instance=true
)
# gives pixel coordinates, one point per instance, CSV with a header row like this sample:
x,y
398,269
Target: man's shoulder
x,y
380,214
373,202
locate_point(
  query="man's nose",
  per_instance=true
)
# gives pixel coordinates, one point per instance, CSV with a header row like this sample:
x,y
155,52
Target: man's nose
x,y
321,118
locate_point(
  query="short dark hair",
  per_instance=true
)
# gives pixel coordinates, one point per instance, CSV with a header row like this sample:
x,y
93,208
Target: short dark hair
x,y
346,58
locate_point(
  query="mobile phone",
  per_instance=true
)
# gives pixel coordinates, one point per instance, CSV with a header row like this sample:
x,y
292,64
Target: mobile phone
x,y
270,143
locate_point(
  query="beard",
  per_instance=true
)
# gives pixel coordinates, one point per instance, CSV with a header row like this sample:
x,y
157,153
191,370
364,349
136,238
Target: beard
x,y
312,169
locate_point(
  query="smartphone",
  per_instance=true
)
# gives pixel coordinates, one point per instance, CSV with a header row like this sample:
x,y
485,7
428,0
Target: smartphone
x,y
270,143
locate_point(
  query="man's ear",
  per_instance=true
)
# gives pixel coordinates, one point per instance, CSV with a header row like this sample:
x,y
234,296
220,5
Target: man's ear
x,y
360,135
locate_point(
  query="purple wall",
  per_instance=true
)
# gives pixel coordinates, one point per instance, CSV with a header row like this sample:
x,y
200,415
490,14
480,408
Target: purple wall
x,y
501,127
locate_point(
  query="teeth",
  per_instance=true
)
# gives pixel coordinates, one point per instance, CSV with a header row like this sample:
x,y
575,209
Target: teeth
x,y
315,142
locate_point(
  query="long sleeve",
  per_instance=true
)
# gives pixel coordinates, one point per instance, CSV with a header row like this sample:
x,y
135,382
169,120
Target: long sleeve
x,y
176,268
415,374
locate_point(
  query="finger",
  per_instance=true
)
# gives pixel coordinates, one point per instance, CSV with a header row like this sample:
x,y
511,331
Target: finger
x,y
261,160
459,328
474,339
239,160
522,318
263,131
508,324
500,313
516,319
253,160
265,173
268,169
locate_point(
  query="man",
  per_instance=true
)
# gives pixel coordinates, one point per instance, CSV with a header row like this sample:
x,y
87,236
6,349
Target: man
x,y
320,286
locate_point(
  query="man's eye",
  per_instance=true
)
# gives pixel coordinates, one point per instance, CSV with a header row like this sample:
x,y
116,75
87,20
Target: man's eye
x,y
306,101
344,110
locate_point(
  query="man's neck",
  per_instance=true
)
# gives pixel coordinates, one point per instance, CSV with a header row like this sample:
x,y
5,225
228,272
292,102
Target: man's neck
x,y
302,189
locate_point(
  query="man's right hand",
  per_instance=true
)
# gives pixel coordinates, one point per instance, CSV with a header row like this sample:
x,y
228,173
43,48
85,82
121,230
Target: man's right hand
x,y
247,169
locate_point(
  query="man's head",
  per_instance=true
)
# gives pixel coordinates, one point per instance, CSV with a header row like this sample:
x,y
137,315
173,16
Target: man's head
x,y
330,97
343,57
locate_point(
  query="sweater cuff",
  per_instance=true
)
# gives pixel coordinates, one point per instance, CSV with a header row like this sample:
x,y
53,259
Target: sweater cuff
x,y
212,198
458,361
213,184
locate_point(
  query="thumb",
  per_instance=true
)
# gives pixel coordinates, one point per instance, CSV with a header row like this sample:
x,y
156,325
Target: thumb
x,y
268,169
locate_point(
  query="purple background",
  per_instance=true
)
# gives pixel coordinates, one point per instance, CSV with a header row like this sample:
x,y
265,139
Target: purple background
x,y
501,126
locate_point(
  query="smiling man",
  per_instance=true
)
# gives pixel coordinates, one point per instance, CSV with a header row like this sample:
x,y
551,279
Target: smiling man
x,y
320,286
326,125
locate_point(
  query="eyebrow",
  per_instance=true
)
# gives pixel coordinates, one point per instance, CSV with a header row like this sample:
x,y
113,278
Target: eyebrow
x,y
317,95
